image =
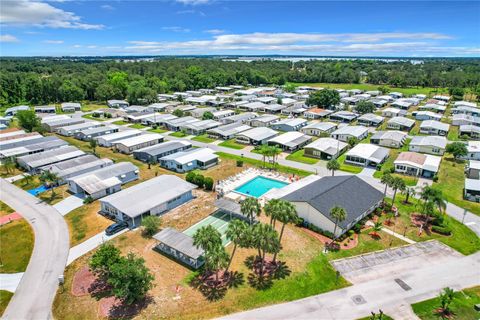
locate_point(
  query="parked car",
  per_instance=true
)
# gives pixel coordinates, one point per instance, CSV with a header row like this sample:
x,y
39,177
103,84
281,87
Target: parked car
x,y
116,227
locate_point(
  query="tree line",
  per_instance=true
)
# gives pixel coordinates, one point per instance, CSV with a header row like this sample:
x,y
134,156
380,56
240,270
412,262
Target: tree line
x,y
41,81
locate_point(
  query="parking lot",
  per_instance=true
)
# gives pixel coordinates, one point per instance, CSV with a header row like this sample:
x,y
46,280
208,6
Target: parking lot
x,y
397,260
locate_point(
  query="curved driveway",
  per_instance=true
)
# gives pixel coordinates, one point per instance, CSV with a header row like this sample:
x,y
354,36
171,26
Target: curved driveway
x,y
34,296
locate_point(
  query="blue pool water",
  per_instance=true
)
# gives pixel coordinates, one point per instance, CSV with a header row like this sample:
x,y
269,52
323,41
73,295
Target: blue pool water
x,y
259,186
38,190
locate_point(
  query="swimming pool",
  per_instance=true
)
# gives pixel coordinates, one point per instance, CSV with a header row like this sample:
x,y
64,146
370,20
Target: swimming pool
x,y
258,186
38,190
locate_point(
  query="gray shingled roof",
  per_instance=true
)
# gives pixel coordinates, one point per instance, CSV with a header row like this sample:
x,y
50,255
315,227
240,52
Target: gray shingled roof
x,y
349,192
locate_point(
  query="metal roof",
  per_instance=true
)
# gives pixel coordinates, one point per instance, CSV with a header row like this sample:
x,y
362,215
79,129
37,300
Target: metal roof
x,y
69,167
143,138
179,241
184,157
147,195
259,133
45,144
51,156
327,145
163,147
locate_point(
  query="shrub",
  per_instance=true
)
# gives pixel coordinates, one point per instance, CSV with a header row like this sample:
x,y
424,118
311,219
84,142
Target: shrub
x,y
379,167
444,230
96,115
357,228
108,115
239,163
208,183
435,178
392,170
150,225
199,180
190,177
350,233
88,200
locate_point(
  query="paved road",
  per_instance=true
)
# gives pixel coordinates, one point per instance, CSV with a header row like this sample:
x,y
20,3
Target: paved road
x,y
382,293
34,296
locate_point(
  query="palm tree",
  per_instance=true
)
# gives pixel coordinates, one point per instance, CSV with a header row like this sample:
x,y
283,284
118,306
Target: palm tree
x,y
387,181
51,179
376,228
434,195
270,210
446,298
236,232
8,164
93,145
408,191
333,165
265,152
287,214
339,214
250,208
207,238
265,240
274,152
216,259
397,184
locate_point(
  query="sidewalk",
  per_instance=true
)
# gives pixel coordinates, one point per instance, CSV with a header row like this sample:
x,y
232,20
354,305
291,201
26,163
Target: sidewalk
x,y
390,232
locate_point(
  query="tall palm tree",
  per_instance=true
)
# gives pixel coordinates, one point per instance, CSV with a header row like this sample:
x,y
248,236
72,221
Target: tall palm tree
x,y
287,214
207,238
270,210
265,152
429,193
339,214
387,181
333,166
397,183
215,259
250,208
408,192
274,152
265,240
236,232
50,178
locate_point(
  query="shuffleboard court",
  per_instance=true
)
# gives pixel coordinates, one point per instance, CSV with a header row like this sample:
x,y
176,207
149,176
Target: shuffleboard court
x,y
219,220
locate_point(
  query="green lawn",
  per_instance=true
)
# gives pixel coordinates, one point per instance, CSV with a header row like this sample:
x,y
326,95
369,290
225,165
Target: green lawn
x,y
348,167
5,209
299,156
462,306
28,183
91,117
137,126
87,106
451,180
232,144
178,134
203,138
385,317
259,163
318,277
389,165
16,247
367,86
367,244
5,297
120,122
462,238
453,133
158,130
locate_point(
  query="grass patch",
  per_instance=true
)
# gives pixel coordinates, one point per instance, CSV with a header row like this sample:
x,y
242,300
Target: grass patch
x,y
203,138
5,297
368,244
259,163
232,144
299,156
178,134
462,238
87,106
348,167
85,222
5,209
453,133
462,305
17,241
451,181
385,317
137,126
158,130
28,183
13,172
120,122
91,117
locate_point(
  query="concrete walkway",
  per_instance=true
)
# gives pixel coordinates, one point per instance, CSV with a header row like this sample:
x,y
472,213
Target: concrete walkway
x,y
391,292
90,244
17,177
68,204
10,281
390,232
35,293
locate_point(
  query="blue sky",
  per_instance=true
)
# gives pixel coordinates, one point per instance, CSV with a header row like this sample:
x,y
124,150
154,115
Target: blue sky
x,y
182,27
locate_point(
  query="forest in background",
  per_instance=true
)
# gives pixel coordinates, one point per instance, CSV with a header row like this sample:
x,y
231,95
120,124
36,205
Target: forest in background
x,y
42,81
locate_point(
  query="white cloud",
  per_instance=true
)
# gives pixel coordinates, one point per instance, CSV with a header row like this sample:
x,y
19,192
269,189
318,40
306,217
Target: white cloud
x,y
53,41
77,46
311,43
193,2
8,38
215,31
107,7
41,14
91,46
176,29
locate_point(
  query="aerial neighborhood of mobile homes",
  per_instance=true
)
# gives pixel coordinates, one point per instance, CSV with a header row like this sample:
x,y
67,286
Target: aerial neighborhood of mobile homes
x,y
188,133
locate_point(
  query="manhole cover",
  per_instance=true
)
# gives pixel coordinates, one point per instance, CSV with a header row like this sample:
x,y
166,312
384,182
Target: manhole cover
x,y
358,299
402,284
